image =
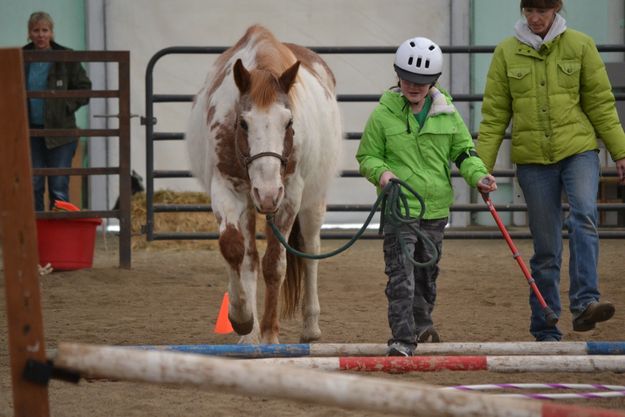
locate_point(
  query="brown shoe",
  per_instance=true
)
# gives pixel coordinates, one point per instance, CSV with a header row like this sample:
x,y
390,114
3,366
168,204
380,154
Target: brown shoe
x,y
594,313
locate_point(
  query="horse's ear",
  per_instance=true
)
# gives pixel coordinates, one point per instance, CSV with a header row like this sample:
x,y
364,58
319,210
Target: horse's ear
x,y
241,77
288,77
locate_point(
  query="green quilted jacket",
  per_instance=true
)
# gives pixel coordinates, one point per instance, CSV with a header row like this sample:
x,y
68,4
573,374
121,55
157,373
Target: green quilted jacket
x,y
559,100
392,141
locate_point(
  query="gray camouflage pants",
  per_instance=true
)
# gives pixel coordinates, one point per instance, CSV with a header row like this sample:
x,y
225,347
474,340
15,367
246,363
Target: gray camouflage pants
x,y
410,290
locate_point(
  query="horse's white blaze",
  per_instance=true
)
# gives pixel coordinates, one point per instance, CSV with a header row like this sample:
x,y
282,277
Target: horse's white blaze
x,y
265,134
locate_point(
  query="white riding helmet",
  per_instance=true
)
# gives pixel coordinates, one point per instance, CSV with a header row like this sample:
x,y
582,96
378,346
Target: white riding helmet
x,y
419,60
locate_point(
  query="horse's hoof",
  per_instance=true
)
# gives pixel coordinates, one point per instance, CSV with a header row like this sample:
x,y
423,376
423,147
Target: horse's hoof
x,y
270,340
307,338
249,339
242,328
430,335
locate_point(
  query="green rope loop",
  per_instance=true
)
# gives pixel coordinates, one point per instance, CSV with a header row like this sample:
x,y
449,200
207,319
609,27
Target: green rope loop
x,y
392,201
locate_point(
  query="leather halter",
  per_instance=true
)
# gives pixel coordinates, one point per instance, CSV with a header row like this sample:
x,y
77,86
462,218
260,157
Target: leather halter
x,y
246,160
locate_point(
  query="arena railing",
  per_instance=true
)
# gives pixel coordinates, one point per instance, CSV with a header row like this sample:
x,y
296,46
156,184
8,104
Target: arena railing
x,y
468,233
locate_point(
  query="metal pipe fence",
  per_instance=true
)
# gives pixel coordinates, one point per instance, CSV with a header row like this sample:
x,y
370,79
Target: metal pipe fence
x,y
153,136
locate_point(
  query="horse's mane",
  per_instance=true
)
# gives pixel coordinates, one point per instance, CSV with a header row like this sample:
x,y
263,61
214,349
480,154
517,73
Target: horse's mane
x,y
264,88
272,59
271,54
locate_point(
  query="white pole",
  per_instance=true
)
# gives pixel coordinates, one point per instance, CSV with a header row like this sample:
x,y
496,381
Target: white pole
x,y
249,377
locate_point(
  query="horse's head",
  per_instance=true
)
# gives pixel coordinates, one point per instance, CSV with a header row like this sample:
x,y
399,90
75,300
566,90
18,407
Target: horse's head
x,y
264,132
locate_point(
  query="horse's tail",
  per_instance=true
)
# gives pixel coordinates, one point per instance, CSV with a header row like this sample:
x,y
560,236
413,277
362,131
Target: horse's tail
x,y
292,286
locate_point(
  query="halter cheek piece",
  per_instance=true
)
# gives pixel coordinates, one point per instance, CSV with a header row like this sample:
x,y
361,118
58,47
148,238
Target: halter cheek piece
x,y
246,160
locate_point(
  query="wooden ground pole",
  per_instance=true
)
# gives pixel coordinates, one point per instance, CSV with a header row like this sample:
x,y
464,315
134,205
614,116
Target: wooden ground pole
x,y
19,240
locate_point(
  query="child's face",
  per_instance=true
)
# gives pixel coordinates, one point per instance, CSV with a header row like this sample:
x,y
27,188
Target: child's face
x,y
415,93
41,34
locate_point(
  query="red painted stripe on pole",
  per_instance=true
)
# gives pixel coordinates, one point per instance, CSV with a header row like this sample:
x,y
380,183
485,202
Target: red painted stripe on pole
x,y
561,410
395,364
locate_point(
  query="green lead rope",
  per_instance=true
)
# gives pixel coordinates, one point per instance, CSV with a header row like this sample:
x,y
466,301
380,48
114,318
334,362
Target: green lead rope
x,y
393,203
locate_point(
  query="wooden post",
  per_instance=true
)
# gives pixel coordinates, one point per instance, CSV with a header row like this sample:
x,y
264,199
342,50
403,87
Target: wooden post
x,y
19,240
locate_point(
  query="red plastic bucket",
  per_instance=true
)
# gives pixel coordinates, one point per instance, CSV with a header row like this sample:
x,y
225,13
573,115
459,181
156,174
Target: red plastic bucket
x,y
66,244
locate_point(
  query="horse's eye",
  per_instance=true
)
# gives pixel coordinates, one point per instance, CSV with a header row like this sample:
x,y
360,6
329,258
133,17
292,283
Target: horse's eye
x,y
243,124
289,124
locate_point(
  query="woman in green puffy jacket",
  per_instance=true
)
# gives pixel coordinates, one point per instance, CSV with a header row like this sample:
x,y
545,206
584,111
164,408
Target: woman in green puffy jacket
x,y
551,83
414,134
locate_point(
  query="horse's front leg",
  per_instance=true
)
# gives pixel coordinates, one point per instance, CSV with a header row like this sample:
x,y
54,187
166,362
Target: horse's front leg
x,y
310,220
274,270
237,243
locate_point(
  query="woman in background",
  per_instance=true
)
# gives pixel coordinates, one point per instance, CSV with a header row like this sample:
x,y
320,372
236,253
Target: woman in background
x,y
51,152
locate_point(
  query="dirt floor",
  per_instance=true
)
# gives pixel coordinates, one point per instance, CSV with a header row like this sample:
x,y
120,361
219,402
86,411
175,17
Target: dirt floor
x,y
173,297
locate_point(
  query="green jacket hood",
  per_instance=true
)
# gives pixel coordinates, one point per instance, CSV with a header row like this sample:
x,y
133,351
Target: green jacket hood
x,y
397,104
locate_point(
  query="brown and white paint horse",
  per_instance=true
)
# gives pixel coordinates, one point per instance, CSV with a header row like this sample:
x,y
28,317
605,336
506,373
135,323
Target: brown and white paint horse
x,y
265,136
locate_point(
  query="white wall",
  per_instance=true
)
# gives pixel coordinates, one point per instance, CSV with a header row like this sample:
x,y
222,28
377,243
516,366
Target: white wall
x,y
146,26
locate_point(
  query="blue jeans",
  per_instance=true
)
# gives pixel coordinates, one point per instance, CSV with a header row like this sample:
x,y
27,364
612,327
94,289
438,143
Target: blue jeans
x,y
58,157
542,185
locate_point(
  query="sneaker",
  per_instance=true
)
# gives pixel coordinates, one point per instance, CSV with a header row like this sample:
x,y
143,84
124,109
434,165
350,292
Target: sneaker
x,y
398,349
594,313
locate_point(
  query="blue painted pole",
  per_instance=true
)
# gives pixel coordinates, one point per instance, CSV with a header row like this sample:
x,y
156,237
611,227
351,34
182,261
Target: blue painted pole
x,y
605,348
238,351
378,349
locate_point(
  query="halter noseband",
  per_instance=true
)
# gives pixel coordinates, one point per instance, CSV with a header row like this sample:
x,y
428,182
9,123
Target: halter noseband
x,y
246,160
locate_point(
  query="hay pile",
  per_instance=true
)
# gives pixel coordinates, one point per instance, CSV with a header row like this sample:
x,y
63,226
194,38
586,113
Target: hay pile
x,y
176,222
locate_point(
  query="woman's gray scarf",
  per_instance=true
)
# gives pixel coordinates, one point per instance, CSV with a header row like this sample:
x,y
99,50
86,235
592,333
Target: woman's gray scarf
x,y
525,35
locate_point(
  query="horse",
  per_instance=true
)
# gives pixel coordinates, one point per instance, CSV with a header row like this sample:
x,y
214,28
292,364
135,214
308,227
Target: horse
x,y
264,138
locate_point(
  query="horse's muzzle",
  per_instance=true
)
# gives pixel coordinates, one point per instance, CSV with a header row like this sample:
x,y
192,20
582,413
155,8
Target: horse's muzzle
x,y
268,202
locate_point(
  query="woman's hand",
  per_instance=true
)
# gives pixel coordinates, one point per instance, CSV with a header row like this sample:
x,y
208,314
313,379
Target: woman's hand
x,y
487,184
385,178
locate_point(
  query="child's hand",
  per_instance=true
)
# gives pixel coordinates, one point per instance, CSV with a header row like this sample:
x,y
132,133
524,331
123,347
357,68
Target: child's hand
x,y
385,178
487,184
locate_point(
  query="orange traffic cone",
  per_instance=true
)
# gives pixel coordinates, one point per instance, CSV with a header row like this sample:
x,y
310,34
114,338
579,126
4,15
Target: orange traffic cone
x,y
223,325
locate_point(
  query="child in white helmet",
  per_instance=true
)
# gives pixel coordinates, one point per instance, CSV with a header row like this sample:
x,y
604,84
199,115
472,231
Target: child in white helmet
x,y
414,134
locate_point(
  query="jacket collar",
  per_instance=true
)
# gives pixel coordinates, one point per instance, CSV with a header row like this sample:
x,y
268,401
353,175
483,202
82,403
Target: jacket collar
x,y
440,102
53,45
526,36
440,105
